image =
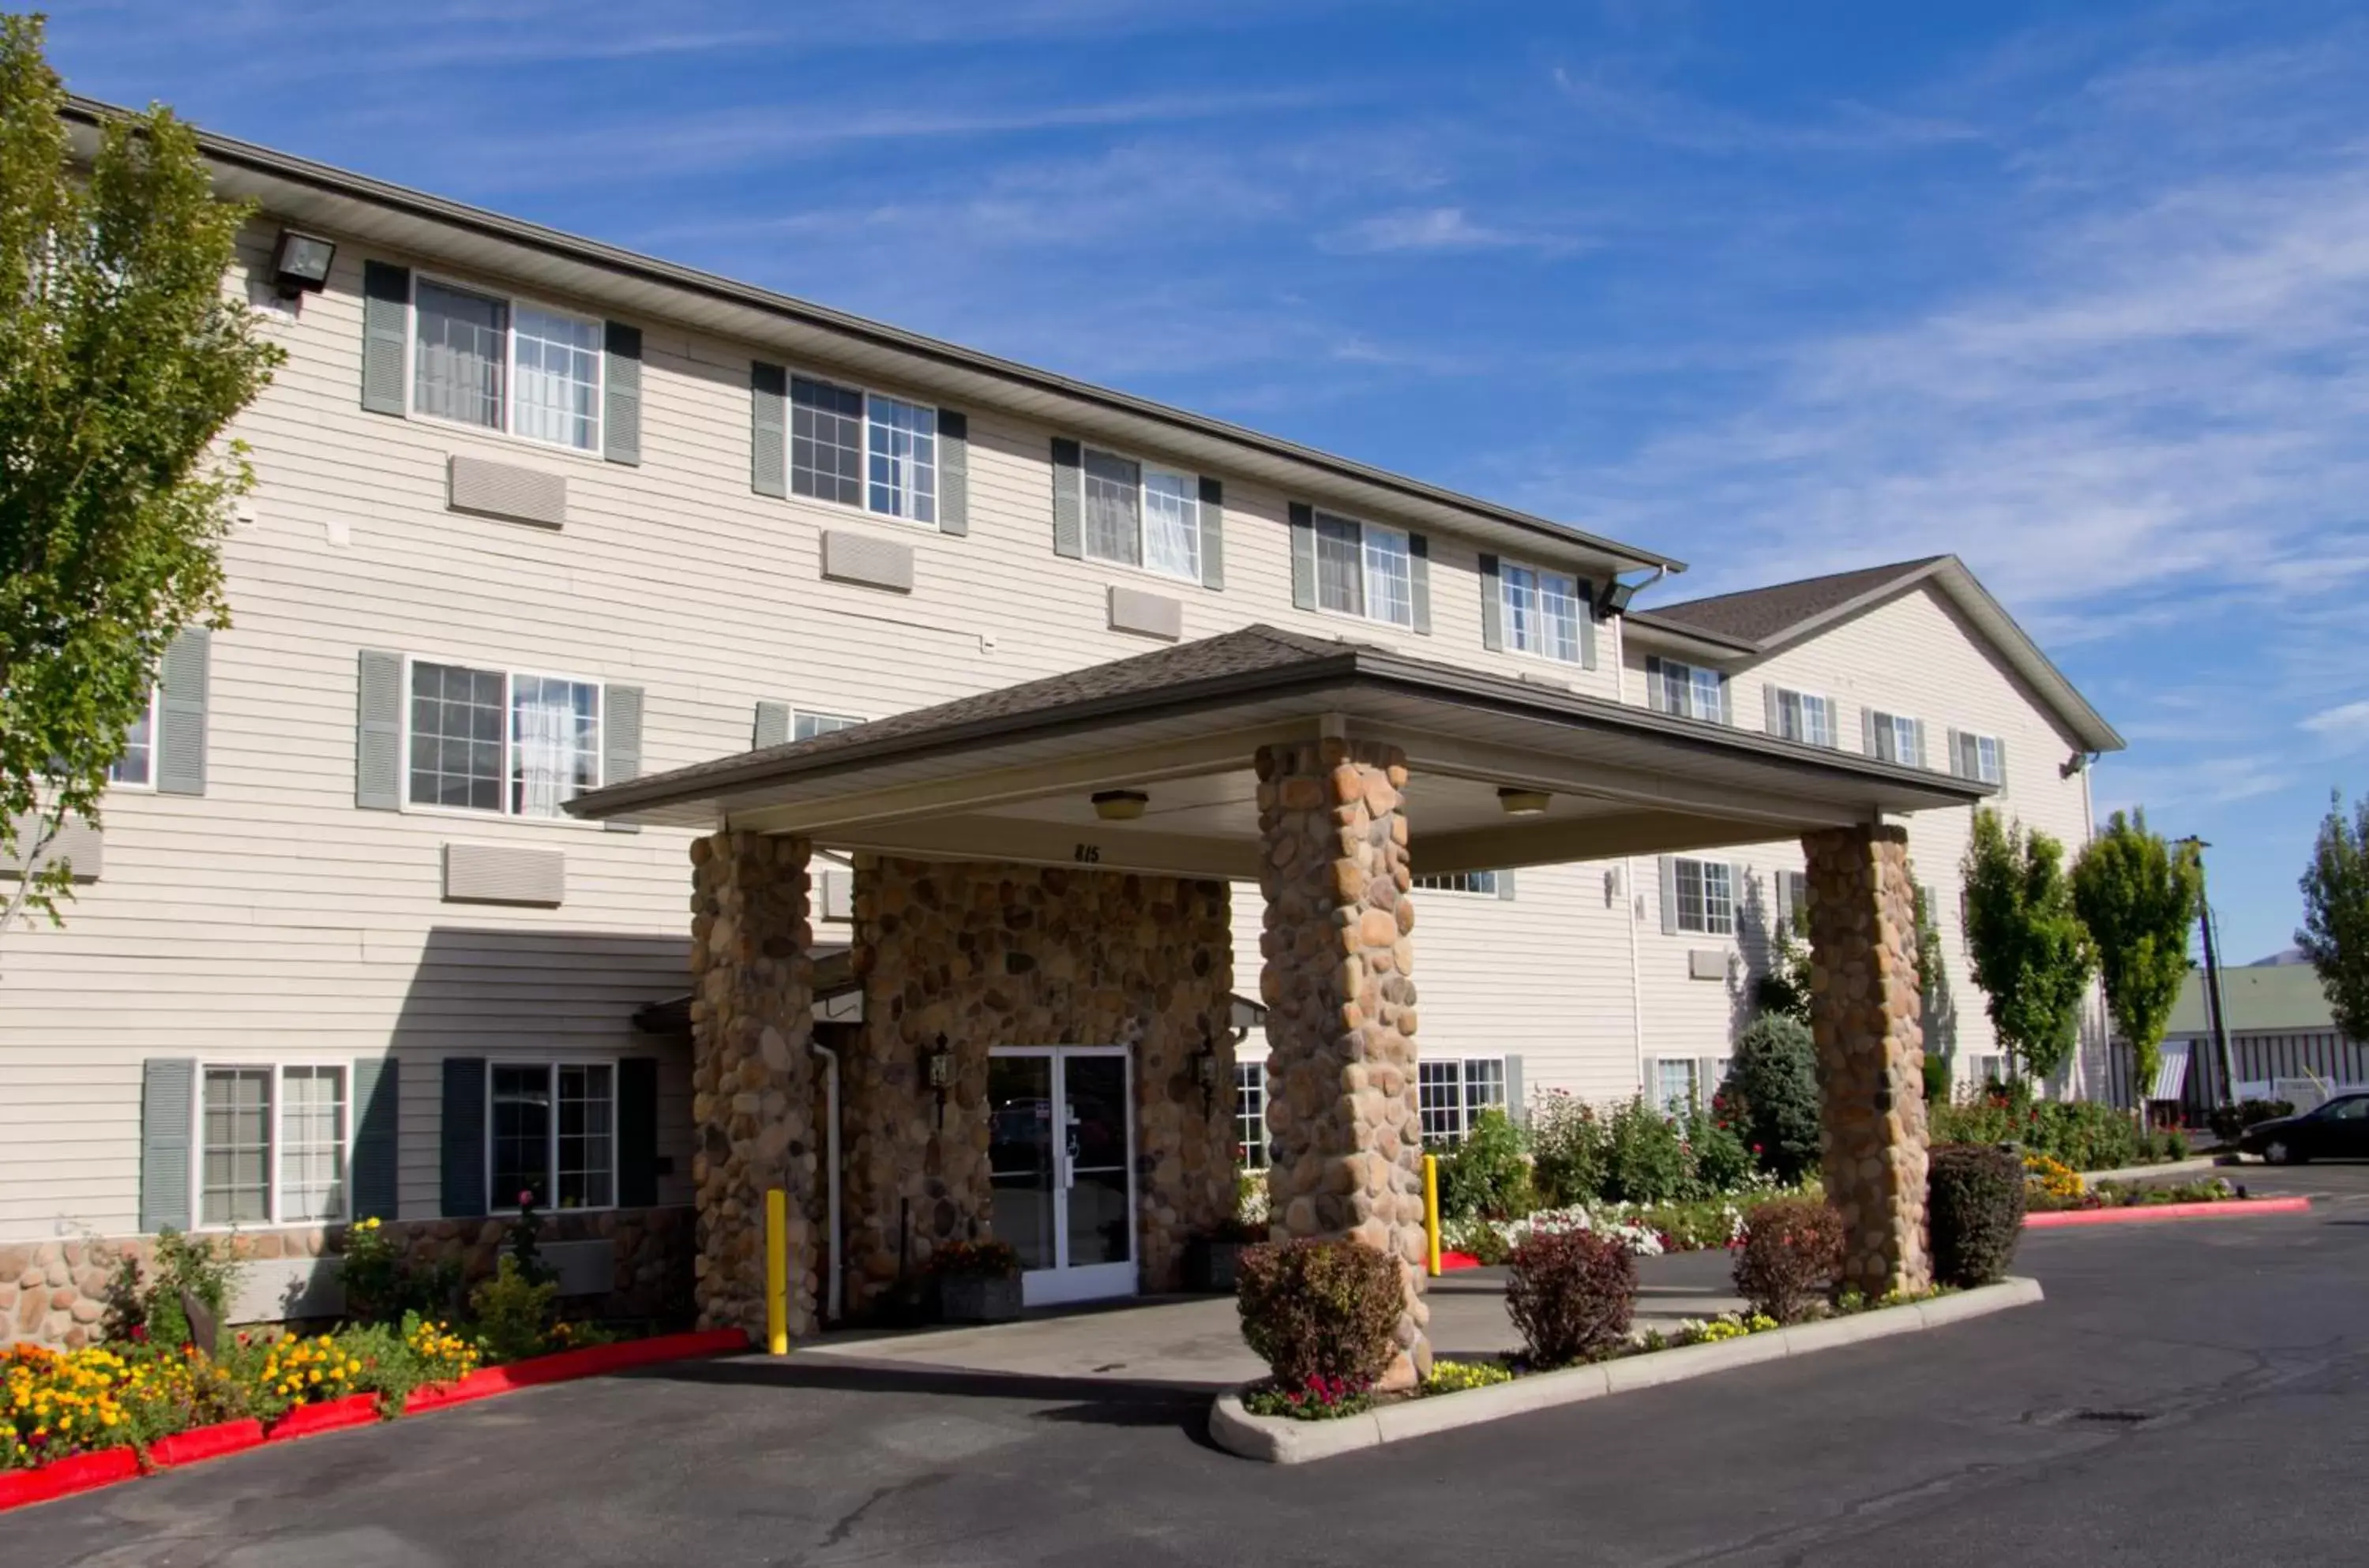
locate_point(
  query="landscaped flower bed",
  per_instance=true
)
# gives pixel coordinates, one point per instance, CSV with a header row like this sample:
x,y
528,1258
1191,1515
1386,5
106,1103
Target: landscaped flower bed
x,y
2050,1198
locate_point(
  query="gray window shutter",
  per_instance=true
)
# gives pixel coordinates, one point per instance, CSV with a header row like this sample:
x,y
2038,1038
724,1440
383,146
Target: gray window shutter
x,y
2002,762
1958,756
1726,703
1669,895
377,731
1587,627
1419,580
621,395
1303,556
1492,606
167,1113
181,743
1706,1080
1505,886
386,331
621,743
1650,1088
1655,697
1213,533
1517,1106
1739,879
1772,708
772,726
638,1132
1867,718
378,1096
1919,758
768,428
1069,499
954,470
462,1164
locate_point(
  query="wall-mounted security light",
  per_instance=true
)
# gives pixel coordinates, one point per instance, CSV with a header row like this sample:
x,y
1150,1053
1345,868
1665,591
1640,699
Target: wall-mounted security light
x,y
1615,595
1120,805
1523,802
300,263
938,1068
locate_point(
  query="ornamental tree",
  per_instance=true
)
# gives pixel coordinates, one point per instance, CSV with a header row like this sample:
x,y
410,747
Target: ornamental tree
x,y
2335,934
2031,956
2139,896
122,361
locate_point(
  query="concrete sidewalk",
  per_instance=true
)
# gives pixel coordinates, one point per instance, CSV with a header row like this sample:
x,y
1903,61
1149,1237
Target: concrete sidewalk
x,y
1197,1341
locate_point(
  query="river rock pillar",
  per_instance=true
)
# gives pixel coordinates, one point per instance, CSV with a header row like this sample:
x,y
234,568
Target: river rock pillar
x,y
1342,1118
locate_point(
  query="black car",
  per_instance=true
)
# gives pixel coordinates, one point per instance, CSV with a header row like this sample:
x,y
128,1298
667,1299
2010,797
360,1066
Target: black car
x,y
2336,1129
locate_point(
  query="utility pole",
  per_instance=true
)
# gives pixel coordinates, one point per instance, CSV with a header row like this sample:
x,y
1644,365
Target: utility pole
x,y
2216,1010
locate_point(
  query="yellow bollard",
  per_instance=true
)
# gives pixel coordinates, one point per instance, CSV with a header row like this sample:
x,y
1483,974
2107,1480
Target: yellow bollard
x,y
777,1272
1431,1215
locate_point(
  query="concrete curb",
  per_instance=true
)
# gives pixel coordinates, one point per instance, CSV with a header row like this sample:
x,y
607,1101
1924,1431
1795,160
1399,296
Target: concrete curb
x,y
1274,1439
2147,1213
2195,1165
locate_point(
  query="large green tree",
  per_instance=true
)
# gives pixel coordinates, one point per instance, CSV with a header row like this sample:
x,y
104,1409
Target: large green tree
x,y
2139,896
2031,956
122,361
2335,934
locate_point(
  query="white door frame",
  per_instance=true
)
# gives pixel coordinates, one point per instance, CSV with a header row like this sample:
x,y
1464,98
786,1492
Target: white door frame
x,y
1092,1282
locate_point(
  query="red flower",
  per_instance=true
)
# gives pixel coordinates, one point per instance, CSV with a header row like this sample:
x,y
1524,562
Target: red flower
x,y
526,1198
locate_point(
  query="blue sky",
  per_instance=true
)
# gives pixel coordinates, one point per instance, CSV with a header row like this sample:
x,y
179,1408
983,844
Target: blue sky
x,y
2078,293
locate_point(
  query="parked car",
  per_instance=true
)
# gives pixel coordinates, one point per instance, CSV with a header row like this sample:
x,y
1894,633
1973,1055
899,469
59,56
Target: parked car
x,y
2338,1128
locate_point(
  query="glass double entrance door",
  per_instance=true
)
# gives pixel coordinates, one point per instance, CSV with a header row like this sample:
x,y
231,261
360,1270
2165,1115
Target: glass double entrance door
x,y
1061,1153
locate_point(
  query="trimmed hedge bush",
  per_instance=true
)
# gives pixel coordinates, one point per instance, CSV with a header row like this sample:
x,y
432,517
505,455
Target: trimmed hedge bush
x,y
1792,1250
1772,1095
1320,1309
1571,1295
1974,1197
1486,1174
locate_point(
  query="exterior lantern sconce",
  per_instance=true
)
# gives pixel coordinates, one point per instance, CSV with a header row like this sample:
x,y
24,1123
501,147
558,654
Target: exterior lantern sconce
x,y
1204,1070
1120,805
300,263
1523,802
939,1065
1614,600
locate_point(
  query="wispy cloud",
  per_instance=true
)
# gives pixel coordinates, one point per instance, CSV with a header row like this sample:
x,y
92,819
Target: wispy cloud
x,y
2348,723
1438,229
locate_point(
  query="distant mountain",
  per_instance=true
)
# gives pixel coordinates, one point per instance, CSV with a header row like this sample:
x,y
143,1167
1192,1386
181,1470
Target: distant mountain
x,y
2292,955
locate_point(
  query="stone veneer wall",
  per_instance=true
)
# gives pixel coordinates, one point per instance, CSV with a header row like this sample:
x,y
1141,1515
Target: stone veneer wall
x,y
1344,1121
54,1293
1865,1004
752,1075
987,955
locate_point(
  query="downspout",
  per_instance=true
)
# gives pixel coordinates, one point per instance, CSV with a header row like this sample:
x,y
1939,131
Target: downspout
x,y
834,1287
1628,881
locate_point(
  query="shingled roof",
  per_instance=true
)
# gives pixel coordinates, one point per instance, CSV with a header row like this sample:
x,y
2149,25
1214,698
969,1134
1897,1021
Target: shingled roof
x,y
1759,615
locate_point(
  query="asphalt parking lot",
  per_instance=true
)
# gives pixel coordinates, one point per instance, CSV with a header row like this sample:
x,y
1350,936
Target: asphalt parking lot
x,y
2190,1393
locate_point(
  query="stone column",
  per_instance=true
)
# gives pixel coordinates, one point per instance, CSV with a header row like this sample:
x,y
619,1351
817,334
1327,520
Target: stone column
x,y
1341,1110
752,1079
1865,1006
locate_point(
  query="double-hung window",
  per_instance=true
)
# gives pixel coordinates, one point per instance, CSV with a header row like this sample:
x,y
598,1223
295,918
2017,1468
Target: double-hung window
x,y
858,449
1363,570
805,726
1682,1085
272,1145
1894,737
1706,893
1141,516
135,766
1452,1094
552,1134
1543,612
501,742
1979,757
1688,690
506,365
1480,882
1803,716
1250,1113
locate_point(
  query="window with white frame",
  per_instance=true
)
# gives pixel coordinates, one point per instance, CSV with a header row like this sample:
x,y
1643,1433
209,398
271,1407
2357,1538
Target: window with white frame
x,y
1451,1095
506,365
135,766
502,741
1897,738
1805,716
1978,757
1250,1113
272,1145
1690,690
805,726
1363,569
1706,890
858,449
1686,1083
1141,516
1481,882
1543,612
552,1134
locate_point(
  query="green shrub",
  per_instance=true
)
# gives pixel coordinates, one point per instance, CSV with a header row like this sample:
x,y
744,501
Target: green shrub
x,y
1316,1309
148,1301
1792,1250
1975,1200
2085,1133
1487,1175
1571,1295
383,1283
1771,1095
1645,1158
1570,1150
513,1314
1938,1079
1721,1164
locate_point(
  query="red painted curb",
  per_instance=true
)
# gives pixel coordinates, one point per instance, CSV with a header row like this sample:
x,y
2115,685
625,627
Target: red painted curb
x,y
2229,1208
326,1415
568,1365
63,1478
1457,1260
205,1443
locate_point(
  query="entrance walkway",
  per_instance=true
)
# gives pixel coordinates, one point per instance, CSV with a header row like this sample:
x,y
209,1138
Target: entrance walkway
x,y
1196,1341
